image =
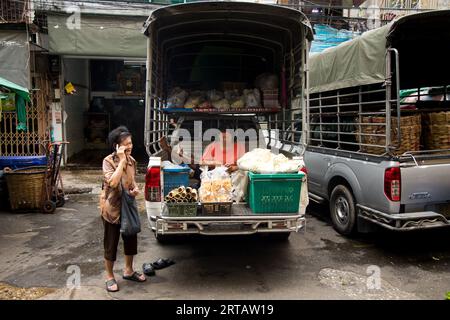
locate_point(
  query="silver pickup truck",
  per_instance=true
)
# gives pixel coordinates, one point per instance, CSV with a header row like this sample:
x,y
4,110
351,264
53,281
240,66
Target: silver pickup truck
x,y
369,166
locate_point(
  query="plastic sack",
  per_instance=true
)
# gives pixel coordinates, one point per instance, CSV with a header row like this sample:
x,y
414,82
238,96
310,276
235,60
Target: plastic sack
x,y
239,180
221,104
232,95
216,185
214,95
238,103
130,223
177,98
252,98
263,161
304,198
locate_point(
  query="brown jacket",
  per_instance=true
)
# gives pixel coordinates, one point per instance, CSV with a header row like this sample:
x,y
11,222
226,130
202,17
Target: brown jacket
x,y
111,198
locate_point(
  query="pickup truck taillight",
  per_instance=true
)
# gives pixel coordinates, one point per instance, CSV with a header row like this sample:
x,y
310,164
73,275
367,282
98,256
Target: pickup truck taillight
x,y
392,183
153,184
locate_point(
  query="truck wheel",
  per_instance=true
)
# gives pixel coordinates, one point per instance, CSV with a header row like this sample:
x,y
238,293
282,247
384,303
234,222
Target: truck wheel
x,y
342,209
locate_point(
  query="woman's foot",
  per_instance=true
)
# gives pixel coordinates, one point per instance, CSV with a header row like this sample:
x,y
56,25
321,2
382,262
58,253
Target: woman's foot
x,y
134,276
111,285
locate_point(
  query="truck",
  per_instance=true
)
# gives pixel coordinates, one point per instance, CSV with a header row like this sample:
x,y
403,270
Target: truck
x,y
378,150
200,44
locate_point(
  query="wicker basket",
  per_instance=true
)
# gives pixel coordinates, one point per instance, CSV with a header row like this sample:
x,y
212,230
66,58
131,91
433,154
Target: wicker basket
x,y
26,188
436,130
410,127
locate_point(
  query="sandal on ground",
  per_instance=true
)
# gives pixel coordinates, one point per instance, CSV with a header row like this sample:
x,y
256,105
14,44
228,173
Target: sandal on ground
x,y
148,269
134,277
110,283
162,263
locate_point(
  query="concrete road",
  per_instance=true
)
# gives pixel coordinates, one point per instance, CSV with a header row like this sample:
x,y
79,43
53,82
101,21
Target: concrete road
x,y
36,250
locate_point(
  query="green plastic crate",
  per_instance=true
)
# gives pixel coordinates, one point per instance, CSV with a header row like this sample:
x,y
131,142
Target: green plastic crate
x,y
274,193
181,209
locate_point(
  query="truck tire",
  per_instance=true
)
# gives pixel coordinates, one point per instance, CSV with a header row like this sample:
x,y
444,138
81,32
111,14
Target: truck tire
x,y
342,210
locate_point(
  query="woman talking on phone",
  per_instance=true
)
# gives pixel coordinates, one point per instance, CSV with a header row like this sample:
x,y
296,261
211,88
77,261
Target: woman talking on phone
x,y
119,170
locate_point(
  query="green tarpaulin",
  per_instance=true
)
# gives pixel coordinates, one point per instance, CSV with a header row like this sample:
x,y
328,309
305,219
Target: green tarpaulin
x,y
113,36
353,63
422,40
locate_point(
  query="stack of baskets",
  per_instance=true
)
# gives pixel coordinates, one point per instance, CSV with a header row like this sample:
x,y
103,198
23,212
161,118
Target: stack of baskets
x,y
437,130
410,127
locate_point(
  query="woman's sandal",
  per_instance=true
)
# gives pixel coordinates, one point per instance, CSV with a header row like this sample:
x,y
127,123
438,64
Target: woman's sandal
x,y
110,283
134,277
162,263
148,269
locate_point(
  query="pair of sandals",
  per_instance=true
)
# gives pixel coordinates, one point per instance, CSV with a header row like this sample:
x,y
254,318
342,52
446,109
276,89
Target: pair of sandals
x,y
149,268
136,276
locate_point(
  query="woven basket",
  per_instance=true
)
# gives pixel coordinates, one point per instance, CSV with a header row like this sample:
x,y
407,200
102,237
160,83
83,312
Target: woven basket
x,y
26,188
410,127
436,130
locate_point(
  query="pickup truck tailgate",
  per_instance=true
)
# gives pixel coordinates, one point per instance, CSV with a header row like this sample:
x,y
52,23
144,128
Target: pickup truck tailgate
x,y
425,184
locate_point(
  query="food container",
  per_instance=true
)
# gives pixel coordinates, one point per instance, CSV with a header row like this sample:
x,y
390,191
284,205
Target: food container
x,y
274,193
181,209
216,208
174,178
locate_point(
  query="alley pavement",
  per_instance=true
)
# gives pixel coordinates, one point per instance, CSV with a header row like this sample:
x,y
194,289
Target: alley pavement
x,y
42,251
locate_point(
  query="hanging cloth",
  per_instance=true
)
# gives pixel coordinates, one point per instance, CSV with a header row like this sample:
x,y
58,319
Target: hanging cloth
x,y
21,114
22,96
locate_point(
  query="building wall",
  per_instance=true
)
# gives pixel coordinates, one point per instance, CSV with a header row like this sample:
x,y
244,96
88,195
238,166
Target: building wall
x,y
77,72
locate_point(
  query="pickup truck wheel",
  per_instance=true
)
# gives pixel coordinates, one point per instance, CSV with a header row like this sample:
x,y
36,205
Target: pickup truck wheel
x,y
342,209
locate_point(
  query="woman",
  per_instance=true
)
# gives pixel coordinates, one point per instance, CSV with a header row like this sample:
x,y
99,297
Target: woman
x,y
119,169
224,151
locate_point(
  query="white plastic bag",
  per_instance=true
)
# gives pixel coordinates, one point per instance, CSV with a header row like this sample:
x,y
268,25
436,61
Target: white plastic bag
x,y
239,180
263,161
216,185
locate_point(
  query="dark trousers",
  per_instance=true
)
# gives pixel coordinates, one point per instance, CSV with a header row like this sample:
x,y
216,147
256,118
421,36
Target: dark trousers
x,y
111,241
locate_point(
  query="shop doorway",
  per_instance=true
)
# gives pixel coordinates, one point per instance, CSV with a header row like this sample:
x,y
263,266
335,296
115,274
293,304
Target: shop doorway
x,y
115,97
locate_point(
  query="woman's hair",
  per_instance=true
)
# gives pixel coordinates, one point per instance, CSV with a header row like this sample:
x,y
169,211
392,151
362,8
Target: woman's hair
x,y
117,135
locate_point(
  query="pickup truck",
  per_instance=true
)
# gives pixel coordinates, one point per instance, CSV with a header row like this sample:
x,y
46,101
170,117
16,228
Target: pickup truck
x,y
369,167
199,46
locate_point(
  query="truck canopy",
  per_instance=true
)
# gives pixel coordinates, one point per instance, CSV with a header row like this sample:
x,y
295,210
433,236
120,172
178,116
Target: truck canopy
x,y
211,42
423,42
226,45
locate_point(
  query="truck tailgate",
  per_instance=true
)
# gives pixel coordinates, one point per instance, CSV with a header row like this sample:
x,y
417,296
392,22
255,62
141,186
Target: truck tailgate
x,y
425,184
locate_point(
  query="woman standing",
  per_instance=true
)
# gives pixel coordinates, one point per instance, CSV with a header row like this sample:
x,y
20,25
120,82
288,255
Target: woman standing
x,y
119,170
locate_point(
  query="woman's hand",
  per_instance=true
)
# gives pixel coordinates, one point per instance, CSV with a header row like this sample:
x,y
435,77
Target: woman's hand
x,y
134,192
120,151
